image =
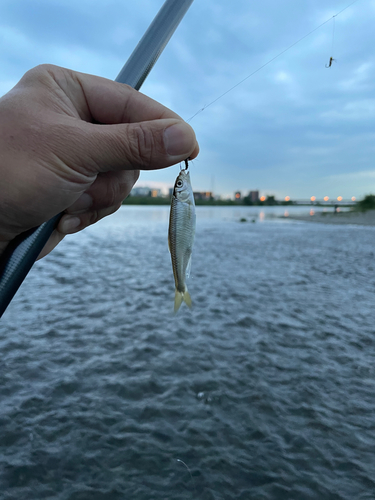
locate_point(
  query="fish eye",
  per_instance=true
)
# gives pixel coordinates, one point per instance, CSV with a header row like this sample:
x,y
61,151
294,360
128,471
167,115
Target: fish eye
x,y
179,184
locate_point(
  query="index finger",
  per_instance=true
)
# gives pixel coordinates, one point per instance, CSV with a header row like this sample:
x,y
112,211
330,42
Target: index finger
x,y
108,102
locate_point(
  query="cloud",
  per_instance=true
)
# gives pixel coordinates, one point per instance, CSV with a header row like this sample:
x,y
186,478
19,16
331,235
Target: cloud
x,y
290,127
361,79
354,111
362,181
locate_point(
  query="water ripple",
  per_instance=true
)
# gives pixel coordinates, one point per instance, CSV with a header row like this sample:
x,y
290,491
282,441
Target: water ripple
x,y
265,390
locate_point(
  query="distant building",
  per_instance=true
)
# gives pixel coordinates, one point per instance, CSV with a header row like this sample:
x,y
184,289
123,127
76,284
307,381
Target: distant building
x,y
254,196
237,195
145,191
140,191
155,193
203,195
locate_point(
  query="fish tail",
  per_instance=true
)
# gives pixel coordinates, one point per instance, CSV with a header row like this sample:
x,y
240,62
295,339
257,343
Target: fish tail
x,y
181,297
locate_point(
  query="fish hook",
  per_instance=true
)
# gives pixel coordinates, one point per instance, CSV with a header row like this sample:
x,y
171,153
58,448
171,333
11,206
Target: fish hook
x,y
330,62
186,165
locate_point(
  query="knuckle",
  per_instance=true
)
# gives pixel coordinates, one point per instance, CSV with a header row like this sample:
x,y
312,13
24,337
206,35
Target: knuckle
x,y
41,73
143,144
92,217
121,187
95,216
113,194
135,176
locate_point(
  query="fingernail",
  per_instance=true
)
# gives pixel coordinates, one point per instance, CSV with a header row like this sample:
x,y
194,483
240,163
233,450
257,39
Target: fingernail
x,y
81,205
69,224
179,139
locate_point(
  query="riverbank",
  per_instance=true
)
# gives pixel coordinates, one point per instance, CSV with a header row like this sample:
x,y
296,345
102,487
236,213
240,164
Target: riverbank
x,y
359,218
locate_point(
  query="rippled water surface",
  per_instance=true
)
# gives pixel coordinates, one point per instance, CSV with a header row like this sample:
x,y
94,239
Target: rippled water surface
x,y
265,390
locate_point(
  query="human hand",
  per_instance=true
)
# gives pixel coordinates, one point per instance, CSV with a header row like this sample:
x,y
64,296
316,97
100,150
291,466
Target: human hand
x,y
74,143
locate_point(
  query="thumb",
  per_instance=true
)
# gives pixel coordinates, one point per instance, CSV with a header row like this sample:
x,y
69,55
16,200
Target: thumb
x,y
143,145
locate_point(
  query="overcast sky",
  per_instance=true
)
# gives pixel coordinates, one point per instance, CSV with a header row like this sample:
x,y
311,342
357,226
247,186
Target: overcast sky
x,y
295,128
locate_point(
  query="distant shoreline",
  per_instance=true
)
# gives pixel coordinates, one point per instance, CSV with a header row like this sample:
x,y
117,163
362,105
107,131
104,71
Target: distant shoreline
x,y
356,217
359,218
147,200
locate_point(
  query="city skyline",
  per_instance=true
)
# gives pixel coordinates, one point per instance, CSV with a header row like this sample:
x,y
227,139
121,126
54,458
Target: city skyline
x,y
165,188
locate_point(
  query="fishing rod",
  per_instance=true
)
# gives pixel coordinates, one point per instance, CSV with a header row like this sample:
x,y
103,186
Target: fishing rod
x,y
22,252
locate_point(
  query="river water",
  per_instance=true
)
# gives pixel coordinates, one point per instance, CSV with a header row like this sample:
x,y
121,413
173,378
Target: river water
x,y
264,390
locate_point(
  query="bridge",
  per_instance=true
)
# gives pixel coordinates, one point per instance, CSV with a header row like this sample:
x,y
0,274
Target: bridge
x,y
329,203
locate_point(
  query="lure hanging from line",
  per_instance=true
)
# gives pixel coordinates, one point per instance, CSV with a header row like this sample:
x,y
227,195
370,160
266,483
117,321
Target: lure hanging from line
x,y
333,43
331,60
181,235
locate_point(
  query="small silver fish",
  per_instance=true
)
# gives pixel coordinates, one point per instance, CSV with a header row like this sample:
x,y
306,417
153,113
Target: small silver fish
x,y
181,235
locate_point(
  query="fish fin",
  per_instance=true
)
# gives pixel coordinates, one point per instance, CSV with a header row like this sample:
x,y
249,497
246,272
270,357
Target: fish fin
x,y
169,244
181,297
188,268
177,301
187,298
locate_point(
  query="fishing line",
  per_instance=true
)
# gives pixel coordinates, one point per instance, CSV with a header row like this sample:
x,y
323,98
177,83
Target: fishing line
x,y
331,59
273,59
333,35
